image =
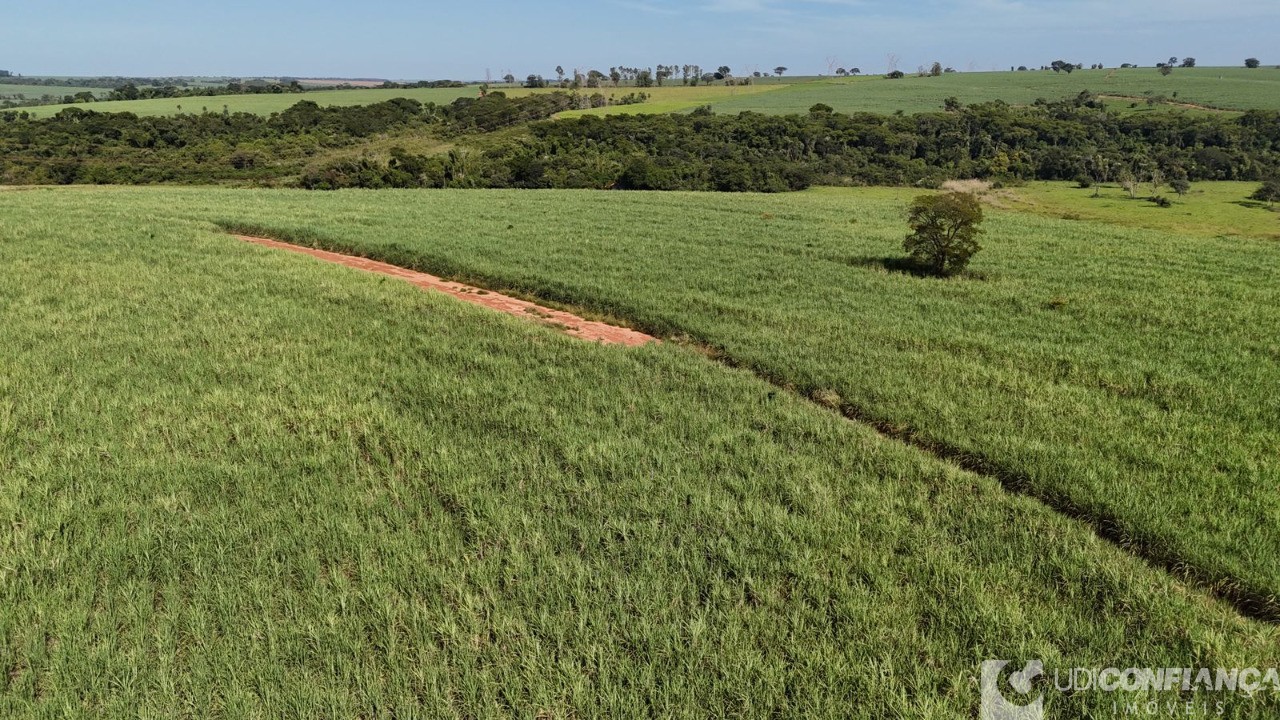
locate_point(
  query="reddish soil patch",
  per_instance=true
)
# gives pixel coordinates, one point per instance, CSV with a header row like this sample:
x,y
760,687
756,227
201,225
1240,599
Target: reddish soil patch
x,y
566,322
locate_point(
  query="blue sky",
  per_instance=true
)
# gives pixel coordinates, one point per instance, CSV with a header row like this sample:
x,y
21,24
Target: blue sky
x,y
400,39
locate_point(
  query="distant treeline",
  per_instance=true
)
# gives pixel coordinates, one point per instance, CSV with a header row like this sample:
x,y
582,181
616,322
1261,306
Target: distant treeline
x,y
104,82
120,88
79,145
388,85
1075,139
129,91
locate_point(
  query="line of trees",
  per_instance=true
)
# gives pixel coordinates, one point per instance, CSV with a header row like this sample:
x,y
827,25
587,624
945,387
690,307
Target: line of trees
x,y
79,145
1076,139
690,75
102,82
131,91
644,77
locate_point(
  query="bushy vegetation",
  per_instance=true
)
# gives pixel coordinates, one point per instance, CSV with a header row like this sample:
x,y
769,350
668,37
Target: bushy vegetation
x,y
752,152
238,482
1068,139
944,232
1269,192
82,146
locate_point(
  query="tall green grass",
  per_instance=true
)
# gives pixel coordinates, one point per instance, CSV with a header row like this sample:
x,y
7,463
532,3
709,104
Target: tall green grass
x,y
242,483
1120,374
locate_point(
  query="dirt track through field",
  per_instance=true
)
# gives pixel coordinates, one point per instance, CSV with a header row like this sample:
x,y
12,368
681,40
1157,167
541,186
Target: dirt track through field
x,y
566,322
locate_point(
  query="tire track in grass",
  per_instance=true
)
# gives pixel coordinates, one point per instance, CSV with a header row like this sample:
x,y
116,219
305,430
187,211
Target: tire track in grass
x,y
1251,602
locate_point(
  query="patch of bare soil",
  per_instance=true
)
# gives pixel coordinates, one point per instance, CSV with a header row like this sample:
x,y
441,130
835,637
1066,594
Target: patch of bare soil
x,y
976,187
567,323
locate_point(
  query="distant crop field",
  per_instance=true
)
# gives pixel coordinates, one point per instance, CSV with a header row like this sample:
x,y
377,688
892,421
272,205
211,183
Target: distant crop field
x,y
1228,89
263,104
35,92
236,481
1224,88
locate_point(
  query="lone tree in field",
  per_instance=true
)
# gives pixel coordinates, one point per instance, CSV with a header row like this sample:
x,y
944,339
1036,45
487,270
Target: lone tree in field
x,y
1252,63
944,232
779,70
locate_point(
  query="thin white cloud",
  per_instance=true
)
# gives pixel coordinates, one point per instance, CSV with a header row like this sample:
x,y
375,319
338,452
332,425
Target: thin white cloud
x,y
645,7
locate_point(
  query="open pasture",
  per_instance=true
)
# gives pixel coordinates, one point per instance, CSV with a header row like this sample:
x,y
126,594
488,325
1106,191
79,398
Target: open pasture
x,y
242,482
1212,209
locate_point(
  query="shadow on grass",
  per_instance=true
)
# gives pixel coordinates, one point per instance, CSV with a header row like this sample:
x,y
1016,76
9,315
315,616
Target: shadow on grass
x,y
908,266
1253,204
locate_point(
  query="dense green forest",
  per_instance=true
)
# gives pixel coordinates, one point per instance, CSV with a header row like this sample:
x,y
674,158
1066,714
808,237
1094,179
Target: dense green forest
x,y
1073,139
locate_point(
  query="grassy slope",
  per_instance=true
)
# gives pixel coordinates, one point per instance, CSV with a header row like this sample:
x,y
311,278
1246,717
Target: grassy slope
x,y
1210,209
1228,88
242,483
1113,371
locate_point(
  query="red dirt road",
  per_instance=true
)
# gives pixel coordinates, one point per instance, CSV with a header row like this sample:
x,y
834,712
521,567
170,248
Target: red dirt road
x,y
566,322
